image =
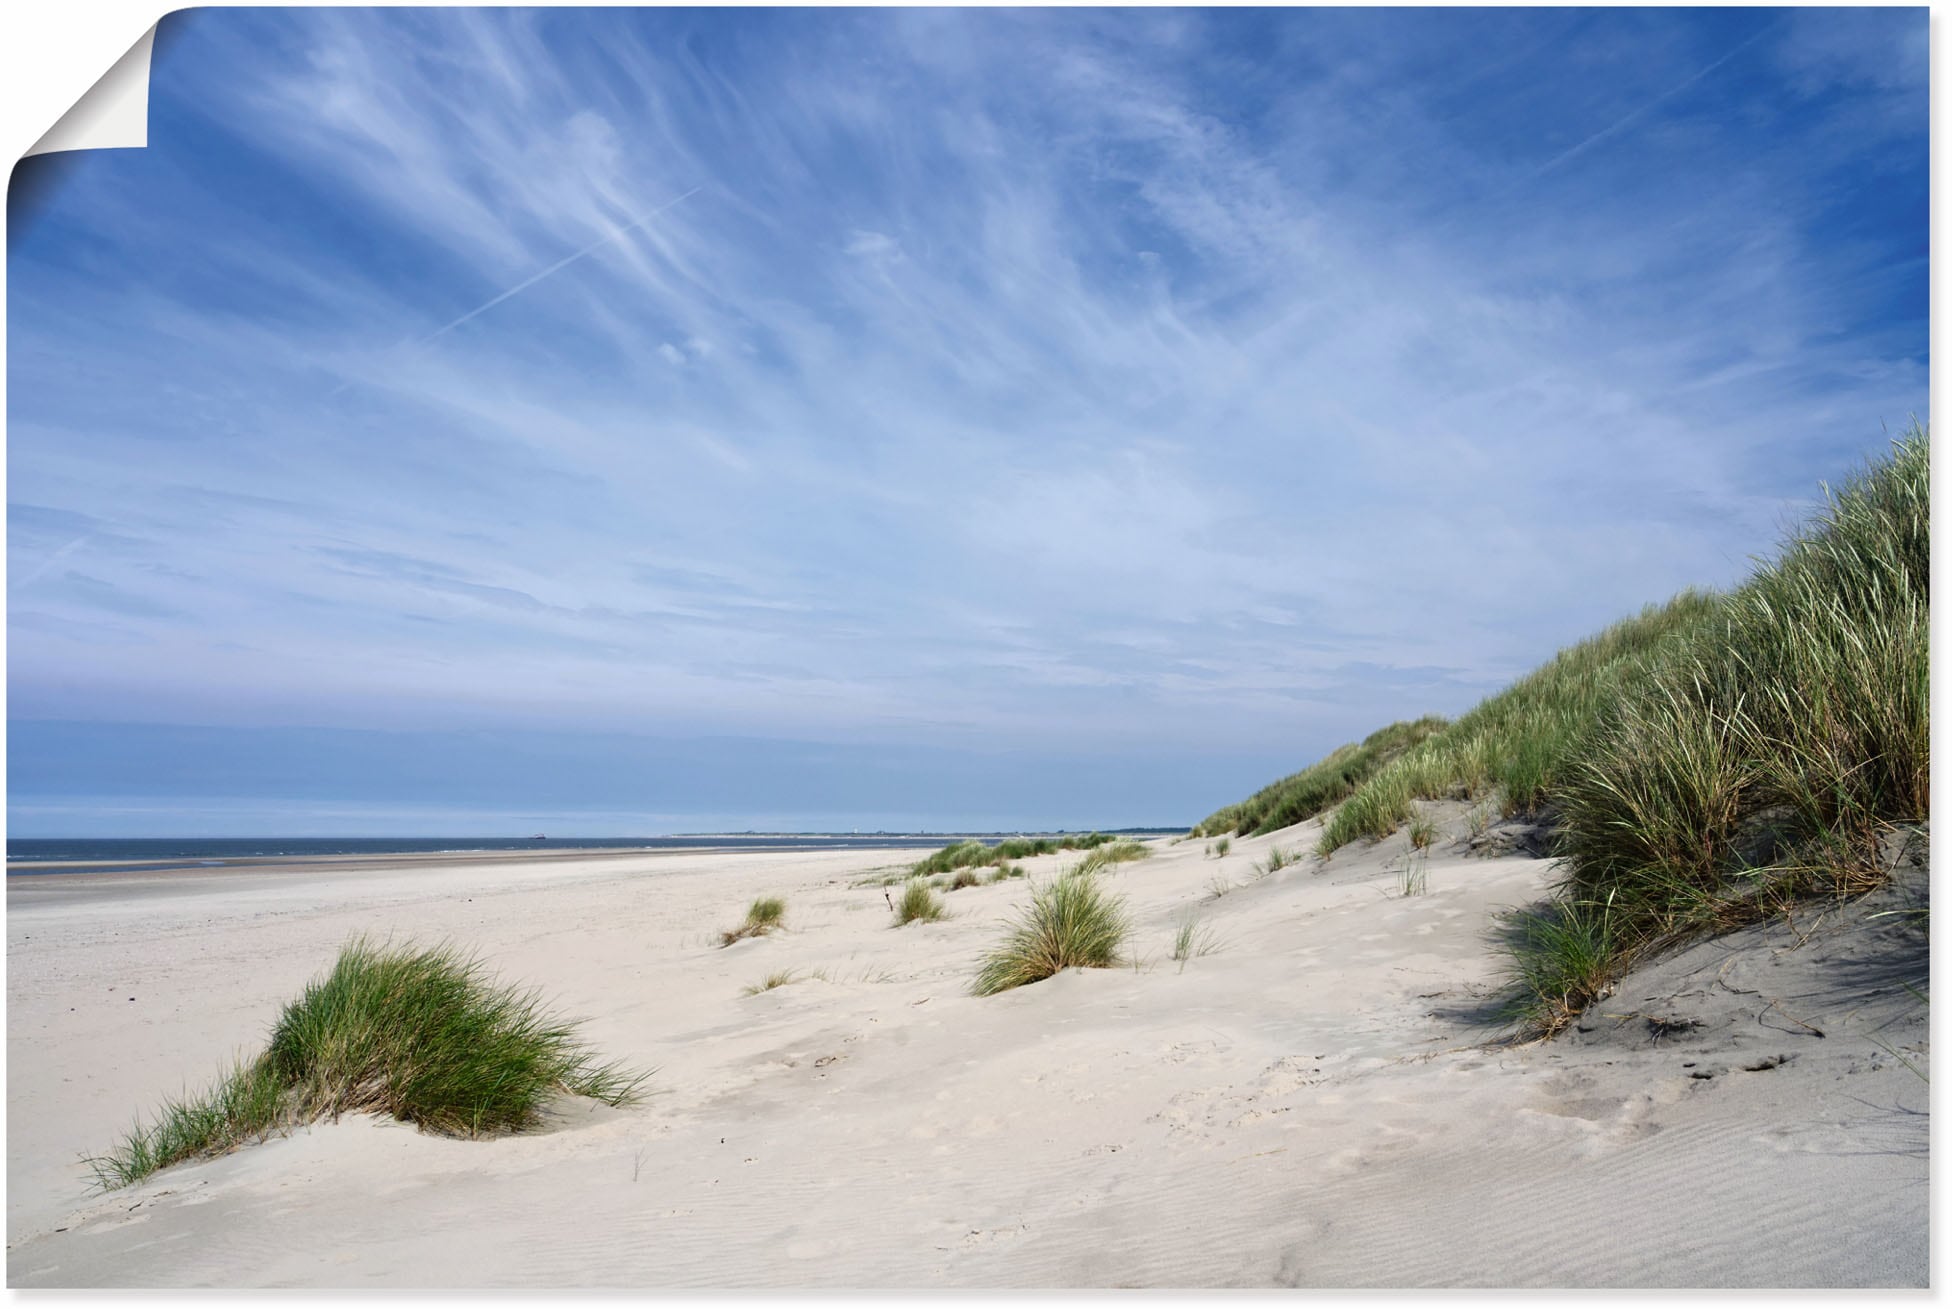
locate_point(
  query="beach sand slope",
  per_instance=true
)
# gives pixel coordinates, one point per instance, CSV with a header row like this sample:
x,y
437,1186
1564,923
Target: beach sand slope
x,y
1323,1100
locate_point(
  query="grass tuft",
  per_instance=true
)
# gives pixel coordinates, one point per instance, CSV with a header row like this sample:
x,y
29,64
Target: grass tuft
x,y
1563,956
422,1035
918,903
773,982
1192,938
1277,859
1118,852
1071,923
1414,877
766,913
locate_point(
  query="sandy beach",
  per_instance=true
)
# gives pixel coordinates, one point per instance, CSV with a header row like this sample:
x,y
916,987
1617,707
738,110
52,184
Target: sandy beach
x,y
1320,1101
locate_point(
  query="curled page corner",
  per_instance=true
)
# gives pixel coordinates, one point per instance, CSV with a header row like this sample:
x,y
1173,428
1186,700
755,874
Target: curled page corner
x,y
114,113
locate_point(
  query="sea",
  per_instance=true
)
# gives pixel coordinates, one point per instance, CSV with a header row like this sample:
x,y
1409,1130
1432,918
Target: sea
x,y
145,854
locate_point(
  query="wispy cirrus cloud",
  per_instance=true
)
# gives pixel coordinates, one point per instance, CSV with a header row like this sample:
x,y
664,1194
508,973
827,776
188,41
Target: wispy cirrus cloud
x,y
942,375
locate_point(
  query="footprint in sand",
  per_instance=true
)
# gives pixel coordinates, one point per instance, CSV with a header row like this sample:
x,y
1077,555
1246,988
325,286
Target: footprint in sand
x,y
1292,1073
980,1236
1192,1114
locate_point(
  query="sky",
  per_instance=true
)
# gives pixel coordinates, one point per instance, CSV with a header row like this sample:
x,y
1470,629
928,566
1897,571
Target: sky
x,y
632,421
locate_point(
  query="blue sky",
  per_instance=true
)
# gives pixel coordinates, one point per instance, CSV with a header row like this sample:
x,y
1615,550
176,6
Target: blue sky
x,y
633,421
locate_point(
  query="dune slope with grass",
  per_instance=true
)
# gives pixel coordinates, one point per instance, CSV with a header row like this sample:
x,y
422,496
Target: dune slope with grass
x,y
1309,1085
1321,785
1707,763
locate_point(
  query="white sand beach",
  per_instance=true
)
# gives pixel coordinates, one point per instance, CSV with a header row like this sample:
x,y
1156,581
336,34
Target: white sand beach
x,y
1319,1102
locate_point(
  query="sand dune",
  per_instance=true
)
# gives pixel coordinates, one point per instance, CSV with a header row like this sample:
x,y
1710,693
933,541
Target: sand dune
x,y
1318,1103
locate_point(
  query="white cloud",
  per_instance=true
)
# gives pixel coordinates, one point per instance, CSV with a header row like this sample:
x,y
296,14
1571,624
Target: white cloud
x,y
1164,410
872,245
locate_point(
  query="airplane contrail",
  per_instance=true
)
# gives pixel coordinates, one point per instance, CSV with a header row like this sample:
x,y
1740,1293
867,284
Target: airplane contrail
x,y
528,282
54,557
1628,119
556,267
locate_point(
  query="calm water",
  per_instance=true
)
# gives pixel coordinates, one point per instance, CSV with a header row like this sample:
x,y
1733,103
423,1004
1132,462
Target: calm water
x,y
195,852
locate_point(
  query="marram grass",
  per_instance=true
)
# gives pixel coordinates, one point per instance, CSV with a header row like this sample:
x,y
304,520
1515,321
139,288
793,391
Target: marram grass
x,y
1071,923
974,854
1117,852
918,903
426,1036
1192,938
1300,796
1517,745
772,982
766,913
1760,760
1706,761
1563,957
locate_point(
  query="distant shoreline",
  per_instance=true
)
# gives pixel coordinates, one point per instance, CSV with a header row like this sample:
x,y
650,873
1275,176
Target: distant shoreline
x,y
42,857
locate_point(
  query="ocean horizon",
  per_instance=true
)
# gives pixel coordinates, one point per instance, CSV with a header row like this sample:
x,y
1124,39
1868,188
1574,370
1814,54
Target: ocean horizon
x,y
218,851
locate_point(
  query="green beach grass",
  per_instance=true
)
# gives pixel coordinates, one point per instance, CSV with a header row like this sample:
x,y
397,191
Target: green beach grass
x,y
1516,745
1300,796
1115,852
1192,939
765,913
976,854
1071,923
1703,763
918,904
426,1036
772,982
1759,762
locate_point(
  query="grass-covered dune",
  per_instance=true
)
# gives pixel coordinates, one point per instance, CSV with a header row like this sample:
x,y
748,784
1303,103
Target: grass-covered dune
x,y
1329,781
1759,758
978,854
422,1035
1705,760
1517,744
